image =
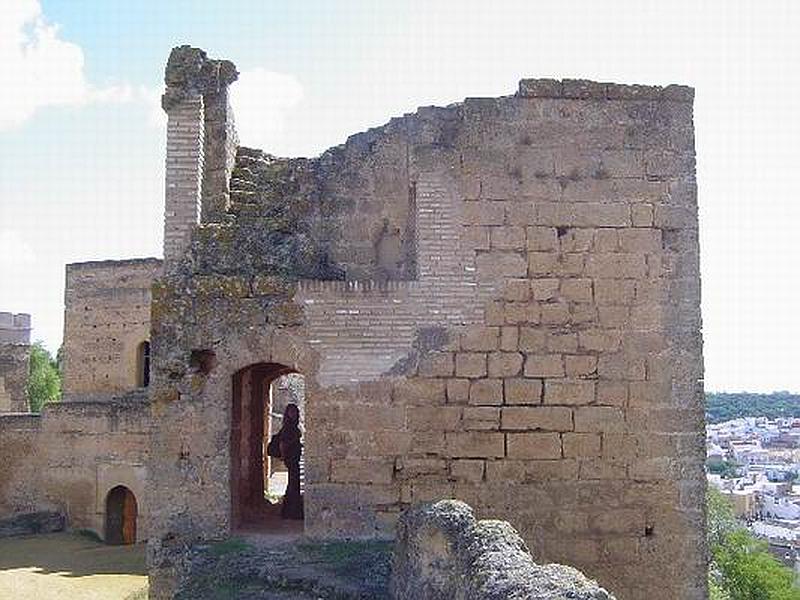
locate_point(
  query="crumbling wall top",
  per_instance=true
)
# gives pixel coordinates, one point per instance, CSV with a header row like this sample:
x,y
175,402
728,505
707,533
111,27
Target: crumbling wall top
x,y
191,73
111,264
578,89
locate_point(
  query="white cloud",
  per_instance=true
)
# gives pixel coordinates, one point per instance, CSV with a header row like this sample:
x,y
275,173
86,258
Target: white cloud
x,y
14,250
40,68
151,97
262,101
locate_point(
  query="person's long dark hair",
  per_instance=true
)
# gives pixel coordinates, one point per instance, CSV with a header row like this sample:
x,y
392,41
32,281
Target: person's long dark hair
x,y
291,416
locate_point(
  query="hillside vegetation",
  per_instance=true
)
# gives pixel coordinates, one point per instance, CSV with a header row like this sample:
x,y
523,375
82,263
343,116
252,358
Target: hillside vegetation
x,y
724,407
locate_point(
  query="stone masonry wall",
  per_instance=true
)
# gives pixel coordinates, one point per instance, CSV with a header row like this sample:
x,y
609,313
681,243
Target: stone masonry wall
x,y
68,458
106,318
517,327
15,333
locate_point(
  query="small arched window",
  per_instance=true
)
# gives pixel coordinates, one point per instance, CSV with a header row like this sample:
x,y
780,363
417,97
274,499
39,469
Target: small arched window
x,y
143,365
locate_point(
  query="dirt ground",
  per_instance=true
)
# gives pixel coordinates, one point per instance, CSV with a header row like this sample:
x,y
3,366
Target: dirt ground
x,y
69,566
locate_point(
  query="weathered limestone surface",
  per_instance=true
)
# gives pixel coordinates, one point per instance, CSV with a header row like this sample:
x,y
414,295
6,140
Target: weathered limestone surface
x,y
15,334
106,319
495,301
443,553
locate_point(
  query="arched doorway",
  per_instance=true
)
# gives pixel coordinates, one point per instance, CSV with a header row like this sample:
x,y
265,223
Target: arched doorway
x,y
260,393
121,514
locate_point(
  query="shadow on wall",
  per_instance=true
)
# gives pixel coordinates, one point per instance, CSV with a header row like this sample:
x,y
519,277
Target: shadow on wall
x,y
70,555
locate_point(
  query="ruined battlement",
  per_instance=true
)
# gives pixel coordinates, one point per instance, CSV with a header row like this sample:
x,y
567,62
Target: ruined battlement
x,y
584,89
147,262
15,328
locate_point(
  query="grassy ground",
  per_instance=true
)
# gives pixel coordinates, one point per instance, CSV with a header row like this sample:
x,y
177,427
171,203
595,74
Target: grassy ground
x,y
68,566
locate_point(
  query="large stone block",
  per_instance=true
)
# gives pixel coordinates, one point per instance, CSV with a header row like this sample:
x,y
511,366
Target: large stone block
x,y
547,418
536,446
475,444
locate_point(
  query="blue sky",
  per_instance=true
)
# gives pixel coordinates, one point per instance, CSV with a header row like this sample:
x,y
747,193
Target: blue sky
x,y
81,133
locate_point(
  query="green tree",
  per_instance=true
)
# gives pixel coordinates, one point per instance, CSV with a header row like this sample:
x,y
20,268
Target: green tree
x,y
726,469
720,521
715,590
750,572
741,566
44,378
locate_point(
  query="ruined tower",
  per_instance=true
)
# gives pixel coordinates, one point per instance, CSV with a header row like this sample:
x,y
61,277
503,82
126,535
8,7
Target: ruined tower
x,y
495,301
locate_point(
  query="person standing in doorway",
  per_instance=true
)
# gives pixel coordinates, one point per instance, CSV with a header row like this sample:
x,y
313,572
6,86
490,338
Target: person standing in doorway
x,y
291,451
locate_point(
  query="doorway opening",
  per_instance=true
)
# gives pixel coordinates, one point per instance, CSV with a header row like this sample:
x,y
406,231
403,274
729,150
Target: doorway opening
x,y
121,514
261,486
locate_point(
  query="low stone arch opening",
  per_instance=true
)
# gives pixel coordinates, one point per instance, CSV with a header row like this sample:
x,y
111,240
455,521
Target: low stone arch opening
x,y
260,484
122,512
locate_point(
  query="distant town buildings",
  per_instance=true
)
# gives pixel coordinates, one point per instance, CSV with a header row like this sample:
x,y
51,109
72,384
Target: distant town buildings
x,y
755,462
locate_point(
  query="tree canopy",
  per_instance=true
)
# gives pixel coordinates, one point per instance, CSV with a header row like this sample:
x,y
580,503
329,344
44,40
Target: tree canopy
x,y
741,566
44,379
724,407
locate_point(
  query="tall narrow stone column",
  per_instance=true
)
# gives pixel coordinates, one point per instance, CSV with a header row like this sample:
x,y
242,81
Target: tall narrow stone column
x,y
196,103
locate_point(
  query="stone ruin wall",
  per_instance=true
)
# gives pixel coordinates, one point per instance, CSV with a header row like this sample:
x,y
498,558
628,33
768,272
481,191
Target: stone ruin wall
x,y
106,318
15,340
68,458
496,301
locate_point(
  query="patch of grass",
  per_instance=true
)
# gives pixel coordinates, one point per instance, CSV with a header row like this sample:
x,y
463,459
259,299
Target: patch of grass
x,y
229,546
340,554
220,587
88,533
